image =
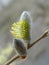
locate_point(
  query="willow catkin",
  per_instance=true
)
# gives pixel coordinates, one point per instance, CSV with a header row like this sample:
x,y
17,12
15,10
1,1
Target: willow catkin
x,y
21,31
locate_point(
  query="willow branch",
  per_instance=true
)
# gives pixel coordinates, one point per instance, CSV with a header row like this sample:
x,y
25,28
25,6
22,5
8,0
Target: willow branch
x,y
11,60
40,38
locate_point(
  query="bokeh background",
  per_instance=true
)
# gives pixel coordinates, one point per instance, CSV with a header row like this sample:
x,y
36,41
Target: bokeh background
x,y
10,11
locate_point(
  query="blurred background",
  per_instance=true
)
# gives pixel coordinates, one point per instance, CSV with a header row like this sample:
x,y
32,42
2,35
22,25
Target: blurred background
x,y
10,11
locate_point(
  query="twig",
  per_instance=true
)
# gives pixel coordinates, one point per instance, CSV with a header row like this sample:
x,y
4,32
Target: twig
x,y
43,36
16,57
11,60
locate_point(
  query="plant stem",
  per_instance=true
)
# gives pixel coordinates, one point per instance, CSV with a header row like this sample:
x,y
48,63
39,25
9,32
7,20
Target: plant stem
x,y
11,60
40,38
16,57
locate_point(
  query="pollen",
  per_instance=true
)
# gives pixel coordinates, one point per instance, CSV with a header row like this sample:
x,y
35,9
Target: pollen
x,y
21,29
